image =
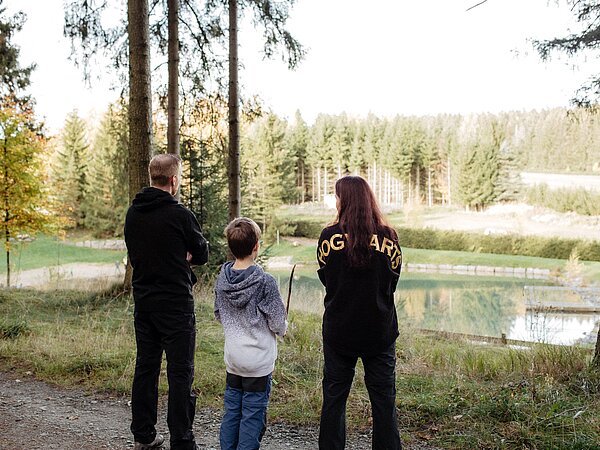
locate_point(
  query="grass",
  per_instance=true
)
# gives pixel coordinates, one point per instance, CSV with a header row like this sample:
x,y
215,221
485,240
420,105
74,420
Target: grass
x,y
304,252
47,251
455,394
301,253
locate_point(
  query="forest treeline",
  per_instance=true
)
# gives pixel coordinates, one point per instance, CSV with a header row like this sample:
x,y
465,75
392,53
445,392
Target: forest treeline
x,y
471,161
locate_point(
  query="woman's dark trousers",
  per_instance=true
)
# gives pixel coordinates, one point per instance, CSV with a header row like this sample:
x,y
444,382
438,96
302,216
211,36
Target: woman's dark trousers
x,y
380,379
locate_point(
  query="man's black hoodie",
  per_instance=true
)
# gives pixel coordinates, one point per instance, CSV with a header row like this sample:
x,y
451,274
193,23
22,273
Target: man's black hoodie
x,y
159,232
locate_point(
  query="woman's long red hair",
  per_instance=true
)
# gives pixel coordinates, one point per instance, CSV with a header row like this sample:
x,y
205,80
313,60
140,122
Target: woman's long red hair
x,y
359,218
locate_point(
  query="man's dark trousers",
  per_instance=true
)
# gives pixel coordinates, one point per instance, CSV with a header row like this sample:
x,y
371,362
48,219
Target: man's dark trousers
x,y
175,333
380,381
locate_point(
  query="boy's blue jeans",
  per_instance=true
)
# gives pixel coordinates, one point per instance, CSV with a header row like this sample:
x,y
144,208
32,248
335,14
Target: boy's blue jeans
x,y
245,417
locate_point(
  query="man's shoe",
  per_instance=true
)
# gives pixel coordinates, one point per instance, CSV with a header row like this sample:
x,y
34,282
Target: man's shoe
x,y
155,444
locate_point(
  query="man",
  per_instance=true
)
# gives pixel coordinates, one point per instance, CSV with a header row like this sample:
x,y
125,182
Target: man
x,y
163,238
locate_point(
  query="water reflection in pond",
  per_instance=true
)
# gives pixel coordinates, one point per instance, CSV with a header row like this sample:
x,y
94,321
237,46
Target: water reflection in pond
x,y
484,306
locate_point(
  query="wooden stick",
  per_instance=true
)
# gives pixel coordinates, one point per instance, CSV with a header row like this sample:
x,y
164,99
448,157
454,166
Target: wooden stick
x,y
287,308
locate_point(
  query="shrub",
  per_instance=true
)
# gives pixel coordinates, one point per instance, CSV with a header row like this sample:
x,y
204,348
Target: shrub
x,y
425,238
580,201
306,228
12,329
507,245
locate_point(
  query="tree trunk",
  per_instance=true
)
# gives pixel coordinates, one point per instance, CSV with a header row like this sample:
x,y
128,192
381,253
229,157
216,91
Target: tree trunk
x,y
418,186
303,187
5,184
312,171
385,187
319,184
449,199
388,188
173,93
596,360
298,197
234,124
402,194
429,189
173,90
7,248
140,102
374,178
380,186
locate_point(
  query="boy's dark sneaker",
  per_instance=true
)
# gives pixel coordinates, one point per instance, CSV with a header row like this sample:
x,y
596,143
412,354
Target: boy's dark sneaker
x,y
155,444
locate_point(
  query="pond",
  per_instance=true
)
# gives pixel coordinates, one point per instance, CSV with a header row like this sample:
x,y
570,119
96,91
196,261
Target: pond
x,y
482,306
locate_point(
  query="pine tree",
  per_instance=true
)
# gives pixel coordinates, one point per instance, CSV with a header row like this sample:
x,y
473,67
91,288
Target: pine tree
x,y
319,155
70,170
297,142
204,178
204,189
404,148
268,166
357,161
341,145
478,177
14,79
374,131
107,194
585,40
431,160
509,185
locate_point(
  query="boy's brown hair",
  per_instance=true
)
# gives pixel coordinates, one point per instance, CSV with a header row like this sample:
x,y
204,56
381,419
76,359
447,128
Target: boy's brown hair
x,y
242,235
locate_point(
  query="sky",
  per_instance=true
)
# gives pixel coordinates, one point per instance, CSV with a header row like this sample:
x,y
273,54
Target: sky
x,y
390,57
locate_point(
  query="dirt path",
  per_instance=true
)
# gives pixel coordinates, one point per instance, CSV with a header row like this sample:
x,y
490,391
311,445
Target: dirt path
x,y
56,276
36,416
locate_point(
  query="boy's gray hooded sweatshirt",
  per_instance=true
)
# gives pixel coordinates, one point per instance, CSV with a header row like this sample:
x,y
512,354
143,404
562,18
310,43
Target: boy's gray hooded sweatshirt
x,y
249,306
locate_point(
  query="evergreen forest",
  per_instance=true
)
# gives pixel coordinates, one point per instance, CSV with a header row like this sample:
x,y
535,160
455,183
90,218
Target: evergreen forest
x,y
449,160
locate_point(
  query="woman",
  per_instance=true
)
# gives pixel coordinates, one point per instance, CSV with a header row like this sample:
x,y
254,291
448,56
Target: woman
x,y
359,259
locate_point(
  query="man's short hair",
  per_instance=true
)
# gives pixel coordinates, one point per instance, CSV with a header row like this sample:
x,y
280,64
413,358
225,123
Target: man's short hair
x,y
162,167
242,235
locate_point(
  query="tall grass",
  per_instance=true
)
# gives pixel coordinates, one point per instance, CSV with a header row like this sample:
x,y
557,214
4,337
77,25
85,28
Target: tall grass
x,y
455,393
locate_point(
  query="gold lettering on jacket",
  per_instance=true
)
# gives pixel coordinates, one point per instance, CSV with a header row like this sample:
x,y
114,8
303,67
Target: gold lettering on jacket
x,y
375,243
337,242
387,246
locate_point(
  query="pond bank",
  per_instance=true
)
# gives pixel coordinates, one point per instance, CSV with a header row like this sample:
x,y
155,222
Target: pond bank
x,y
516,272
287,262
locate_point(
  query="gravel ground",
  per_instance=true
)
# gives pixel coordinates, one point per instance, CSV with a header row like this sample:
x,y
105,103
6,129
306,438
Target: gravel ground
x,y
35,415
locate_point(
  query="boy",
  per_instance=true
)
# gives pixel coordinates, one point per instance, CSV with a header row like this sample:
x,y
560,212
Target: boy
x,y
249,306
